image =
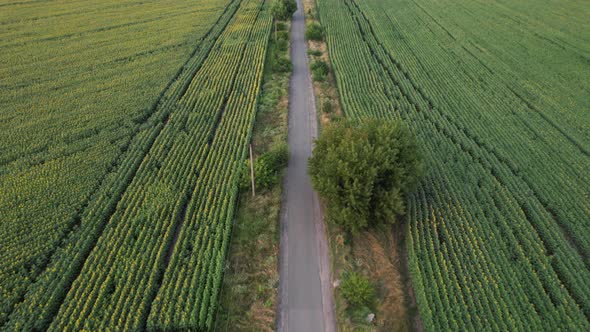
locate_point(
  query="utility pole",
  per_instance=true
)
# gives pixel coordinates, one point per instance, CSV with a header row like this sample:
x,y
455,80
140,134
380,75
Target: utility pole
x,y
252,171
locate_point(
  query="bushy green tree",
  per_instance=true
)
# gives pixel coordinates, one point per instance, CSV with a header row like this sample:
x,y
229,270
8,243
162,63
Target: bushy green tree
x,y
291,6
363,170
283,9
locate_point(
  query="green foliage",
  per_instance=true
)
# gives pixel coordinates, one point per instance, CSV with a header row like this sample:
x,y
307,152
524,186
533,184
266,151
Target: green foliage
x,y
314,31
312,14
279,10
263,173
282,65
281,62
172,171
283,9
283,35
327,106
359,314
81,122
278,157
357,290
319,70
281,26
255,226
498,233
291,6
314,52
363,171
267,168
282,45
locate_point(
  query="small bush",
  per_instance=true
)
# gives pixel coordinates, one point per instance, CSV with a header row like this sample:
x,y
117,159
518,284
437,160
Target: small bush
x,y
277,157
314,32
282,45
319,70
282,65
267,168
281,26
359,314
327,106
283,9
312,14
357,290
291,6
283,35
314,52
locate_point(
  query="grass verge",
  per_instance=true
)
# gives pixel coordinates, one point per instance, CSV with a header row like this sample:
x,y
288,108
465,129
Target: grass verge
x,y
250,286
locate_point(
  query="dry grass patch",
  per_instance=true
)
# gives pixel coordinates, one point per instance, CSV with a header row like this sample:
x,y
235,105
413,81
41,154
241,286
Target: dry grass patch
x,y
377,255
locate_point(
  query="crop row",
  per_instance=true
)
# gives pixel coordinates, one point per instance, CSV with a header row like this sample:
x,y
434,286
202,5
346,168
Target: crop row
x,y
486,239
68,122
205,134
189,292
43,298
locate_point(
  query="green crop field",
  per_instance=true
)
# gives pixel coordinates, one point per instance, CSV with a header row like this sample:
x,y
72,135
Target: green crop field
x,y
123,128
498,93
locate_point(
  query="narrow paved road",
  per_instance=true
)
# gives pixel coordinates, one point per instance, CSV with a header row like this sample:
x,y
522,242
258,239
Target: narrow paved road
x,y
306,302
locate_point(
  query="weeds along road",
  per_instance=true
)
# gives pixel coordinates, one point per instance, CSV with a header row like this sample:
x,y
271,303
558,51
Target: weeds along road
x,y
306,302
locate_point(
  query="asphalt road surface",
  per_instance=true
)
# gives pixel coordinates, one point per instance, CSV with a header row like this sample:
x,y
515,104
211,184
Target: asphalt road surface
x,y
306,302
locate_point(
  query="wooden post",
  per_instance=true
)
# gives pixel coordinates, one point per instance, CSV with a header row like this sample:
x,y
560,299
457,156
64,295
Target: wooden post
x,y
252,171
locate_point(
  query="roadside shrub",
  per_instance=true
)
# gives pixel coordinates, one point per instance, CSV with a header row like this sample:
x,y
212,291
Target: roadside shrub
x,y
282,45
314,31
363,170
283,9
282,65
359,314
314,52
268,168
283,35
291,6
312,14
357,290
327,106
277,157
281,26
263,175
319,70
